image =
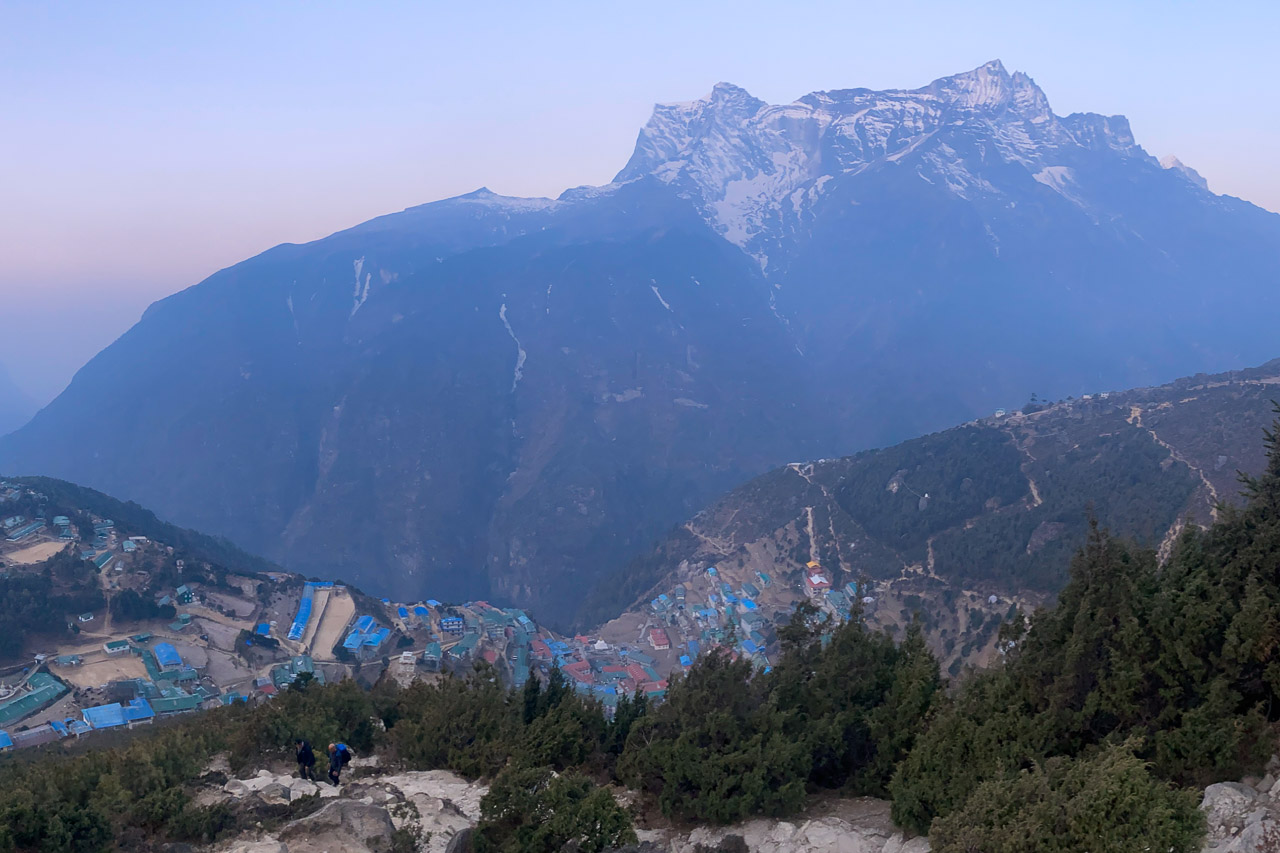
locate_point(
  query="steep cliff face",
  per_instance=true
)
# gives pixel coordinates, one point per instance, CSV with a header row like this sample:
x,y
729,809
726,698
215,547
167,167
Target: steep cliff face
x,y
499,397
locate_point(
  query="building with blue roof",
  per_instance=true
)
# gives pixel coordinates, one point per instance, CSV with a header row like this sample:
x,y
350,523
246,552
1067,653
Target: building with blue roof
x,y
686,661
105,716
365,624
167,656
137,710
6,742
299,626
423,614
402,612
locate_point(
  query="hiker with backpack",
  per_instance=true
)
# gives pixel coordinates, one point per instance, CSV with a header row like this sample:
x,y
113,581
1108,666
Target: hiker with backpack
x,y
306,759
339,757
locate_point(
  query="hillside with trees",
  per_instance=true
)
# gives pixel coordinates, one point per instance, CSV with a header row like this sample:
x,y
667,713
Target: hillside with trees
x,y
993,507
38,600
1106,715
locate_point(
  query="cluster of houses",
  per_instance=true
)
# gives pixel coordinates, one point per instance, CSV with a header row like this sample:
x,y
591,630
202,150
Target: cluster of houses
x,y
171,687
721,614
366,638
605,671
730,615
19,527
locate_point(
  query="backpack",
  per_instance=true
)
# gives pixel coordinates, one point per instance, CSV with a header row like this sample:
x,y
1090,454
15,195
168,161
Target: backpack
x,y
344,754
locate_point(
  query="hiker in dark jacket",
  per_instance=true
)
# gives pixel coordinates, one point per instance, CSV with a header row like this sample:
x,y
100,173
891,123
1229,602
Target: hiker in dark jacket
x,y
306,759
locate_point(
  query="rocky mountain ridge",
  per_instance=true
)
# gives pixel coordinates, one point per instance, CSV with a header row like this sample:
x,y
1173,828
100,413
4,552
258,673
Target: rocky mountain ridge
x,y
757,167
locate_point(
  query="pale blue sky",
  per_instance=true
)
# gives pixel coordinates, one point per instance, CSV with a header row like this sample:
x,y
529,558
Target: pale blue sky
x,y
147,145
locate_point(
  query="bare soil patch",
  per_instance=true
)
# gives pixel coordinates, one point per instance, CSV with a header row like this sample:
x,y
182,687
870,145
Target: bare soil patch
x,y
103,671
227,670
333,624
36,553
319,602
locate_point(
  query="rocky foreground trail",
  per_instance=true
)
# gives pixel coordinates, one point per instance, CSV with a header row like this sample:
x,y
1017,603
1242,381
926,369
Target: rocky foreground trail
x,y
379,811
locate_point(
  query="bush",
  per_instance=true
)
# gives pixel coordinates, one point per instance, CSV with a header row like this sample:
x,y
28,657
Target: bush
x,y
534,810
1109,803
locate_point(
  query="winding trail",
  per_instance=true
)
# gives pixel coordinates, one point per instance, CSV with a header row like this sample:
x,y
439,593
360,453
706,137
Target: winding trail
x,y
1135,418
813,536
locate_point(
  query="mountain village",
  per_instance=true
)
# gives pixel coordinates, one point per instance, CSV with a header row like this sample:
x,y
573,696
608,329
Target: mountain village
x,y
245,637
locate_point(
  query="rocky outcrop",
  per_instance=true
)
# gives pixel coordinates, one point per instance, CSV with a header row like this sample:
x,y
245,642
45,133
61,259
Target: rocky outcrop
x,y
360,816
1242,818
272,789
342,826
438,811
844,826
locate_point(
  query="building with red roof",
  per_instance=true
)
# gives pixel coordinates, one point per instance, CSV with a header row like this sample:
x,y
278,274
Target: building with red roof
x,y
815,582
579,671
658,639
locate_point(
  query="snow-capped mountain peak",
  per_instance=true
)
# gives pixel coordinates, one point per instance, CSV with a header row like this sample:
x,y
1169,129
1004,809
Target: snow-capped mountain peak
x,y
755,169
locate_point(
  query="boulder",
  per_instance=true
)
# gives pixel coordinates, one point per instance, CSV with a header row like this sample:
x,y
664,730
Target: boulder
x,y
461,842
274,794
901,844
1261,834
342,826
429,789
236,788
1227,807
299,788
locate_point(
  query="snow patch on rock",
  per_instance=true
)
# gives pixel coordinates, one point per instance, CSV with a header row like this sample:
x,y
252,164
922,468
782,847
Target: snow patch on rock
x,y
521,355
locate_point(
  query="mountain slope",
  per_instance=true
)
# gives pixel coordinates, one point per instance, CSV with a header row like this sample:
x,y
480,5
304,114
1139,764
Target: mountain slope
x,y
994,507
488,396
15,407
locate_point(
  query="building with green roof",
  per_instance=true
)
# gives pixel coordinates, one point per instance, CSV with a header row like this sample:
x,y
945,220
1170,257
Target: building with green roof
x,y
42,690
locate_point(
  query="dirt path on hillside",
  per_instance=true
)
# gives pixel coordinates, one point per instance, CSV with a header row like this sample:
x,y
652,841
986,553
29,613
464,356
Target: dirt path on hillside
x,y
1135,418
813,536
